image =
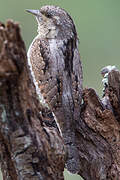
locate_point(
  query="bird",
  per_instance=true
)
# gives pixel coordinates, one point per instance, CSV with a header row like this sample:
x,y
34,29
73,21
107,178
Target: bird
x,y
55,65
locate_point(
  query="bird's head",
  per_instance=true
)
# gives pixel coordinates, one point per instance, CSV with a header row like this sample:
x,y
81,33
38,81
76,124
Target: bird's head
x,y
54,22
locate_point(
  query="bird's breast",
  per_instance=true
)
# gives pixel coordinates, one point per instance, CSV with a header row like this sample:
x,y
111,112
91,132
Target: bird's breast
x,y
46,62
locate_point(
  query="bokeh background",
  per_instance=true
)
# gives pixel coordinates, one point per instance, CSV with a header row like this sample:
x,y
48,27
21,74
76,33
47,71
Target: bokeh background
x,y
98,27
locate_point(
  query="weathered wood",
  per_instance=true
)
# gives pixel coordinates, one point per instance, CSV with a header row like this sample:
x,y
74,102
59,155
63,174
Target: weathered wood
x,y
99,132
31,146
30,149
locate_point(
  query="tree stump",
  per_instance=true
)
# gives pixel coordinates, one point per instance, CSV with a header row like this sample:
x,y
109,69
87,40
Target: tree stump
x,y
31,146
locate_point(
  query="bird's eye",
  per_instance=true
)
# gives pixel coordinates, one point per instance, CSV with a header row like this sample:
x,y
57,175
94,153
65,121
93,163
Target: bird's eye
x,y
48,15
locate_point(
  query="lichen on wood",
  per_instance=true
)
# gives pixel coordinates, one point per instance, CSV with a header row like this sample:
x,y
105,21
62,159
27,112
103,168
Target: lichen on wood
x,y
31,146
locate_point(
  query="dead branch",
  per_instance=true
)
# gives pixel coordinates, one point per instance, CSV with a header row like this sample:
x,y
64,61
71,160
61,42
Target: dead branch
x,y
31,146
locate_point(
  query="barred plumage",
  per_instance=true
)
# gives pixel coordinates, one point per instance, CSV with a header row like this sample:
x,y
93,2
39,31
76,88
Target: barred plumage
x,y
56,69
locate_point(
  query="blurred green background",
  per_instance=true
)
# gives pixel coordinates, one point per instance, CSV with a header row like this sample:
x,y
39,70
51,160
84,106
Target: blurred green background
x,y
98,26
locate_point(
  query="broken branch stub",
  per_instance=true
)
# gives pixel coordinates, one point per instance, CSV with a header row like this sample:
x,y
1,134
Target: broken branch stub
x,y
102,117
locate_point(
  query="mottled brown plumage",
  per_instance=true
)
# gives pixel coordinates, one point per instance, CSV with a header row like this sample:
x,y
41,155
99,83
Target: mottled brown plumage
x,y
55,65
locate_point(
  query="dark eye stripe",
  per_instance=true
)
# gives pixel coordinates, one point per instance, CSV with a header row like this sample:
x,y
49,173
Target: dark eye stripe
x,y
48,15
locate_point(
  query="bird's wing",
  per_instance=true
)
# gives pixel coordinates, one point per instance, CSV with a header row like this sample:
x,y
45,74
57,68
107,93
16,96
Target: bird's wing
x,y
57,73
57,70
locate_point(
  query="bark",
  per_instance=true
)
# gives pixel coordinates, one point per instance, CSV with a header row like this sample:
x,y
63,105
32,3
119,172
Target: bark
x,y
31,146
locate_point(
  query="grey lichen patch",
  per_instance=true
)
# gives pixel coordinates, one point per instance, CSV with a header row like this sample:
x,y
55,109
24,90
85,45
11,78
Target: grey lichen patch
x,y
35,160
107,69
20,142
105,72
17,113
3,114
40,176
22,150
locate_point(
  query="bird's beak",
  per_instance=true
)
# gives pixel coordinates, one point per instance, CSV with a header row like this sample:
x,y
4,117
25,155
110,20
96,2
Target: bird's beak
x,y
35,12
